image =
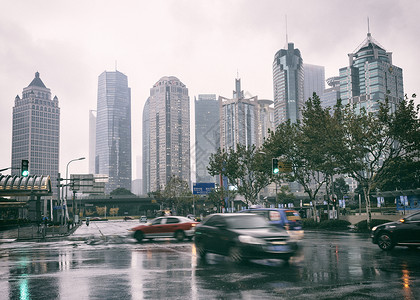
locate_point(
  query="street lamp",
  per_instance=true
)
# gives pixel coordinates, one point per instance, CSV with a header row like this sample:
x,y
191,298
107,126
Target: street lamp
x,y
67,176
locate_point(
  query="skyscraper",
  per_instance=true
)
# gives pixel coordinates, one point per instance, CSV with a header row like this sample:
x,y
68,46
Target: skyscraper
x,y
288,81
167,116
239,119
92,140
370,77
146,147
113,130
207,134
314,81
36,131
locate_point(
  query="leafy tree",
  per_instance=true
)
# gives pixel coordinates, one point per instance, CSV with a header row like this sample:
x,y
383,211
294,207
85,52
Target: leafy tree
x,y
310,146
285,196
218,195
178,194
244,169
114,211
340,187
374,142
121,191
100,210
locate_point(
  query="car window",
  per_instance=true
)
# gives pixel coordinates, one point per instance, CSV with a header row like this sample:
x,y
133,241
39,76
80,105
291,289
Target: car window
x,y
274,215
292,215
246,222
172,220
263,213
157,221
214,221
415,218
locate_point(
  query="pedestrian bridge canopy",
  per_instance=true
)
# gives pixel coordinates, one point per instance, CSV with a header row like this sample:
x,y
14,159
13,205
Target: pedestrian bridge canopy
x,y
25,186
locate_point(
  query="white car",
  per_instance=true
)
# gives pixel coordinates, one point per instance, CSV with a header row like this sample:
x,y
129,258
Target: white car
x,y
143,219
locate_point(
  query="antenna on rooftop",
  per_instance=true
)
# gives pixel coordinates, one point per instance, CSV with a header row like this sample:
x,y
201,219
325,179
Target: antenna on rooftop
x,y
287,39
368,25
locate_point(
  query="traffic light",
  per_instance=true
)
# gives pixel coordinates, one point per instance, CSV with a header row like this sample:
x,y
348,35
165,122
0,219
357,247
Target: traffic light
x,y
276,168
25,167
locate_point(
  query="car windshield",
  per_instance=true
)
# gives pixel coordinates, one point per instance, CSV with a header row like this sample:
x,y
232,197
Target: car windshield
x,y
246,222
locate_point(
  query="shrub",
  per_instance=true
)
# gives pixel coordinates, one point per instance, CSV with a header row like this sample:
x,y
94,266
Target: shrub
x,y
334,224
362,225
309,223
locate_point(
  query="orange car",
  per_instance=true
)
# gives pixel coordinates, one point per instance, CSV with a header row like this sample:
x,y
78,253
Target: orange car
x,y
164,227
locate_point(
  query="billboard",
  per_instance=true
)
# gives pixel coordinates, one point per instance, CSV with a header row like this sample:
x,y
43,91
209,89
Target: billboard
x,y
202,188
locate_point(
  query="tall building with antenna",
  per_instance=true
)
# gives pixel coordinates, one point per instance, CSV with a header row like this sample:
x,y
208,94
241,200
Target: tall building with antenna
x,y
288,85
370,77
113,130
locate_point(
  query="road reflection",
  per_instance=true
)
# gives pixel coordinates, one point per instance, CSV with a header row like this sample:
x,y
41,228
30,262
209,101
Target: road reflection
x,y
326,266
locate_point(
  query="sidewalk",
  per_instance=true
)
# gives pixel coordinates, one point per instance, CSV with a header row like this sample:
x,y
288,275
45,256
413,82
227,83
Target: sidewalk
x,y
34,232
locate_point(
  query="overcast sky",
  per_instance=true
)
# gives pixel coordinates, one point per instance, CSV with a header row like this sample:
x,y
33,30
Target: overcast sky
x,y
203,43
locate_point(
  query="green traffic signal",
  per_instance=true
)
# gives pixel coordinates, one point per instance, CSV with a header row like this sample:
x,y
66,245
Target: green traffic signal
x,y
276,168
25,168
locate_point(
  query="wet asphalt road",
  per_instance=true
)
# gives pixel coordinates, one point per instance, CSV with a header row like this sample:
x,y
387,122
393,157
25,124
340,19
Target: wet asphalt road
x,y
102,261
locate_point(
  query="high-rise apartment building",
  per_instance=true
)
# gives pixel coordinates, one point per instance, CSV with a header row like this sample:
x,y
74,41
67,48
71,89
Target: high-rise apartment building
x,y
370,77
207,134
288,82
36,131
239,119
166,134
314,81
113,130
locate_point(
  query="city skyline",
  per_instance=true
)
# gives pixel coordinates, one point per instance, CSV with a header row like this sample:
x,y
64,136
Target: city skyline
x,y
206,46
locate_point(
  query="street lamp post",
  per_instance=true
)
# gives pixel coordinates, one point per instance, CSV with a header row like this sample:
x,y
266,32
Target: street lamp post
x,y
67,178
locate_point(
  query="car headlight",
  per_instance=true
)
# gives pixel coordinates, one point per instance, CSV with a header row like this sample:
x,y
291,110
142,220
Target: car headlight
x,y
246,239
374,228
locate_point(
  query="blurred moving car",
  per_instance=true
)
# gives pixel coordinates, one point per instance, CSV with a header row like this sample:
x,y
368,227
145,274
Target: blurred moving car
x,y
167,226
404,232
143,219
128,218
285,218
242,237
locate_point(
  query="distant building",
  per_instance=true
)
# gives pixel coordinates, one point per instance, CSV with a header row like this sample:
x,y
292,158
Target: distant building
x,y
92,140
288,83
370,77
137,187
331,94
36,131
314,81
166,134
146,147
207,134
113,130
239,119
266,119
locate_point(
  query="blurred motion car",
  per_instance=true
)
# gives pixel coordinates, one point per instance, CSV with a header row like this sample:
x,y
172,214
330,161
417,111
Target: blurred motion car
x,y
288,219
404,232
165,227
242,237
143,219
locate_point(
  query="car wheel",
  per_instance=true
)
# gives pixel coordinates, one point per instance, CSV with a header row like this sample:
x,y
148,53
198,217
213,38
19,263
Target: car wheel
x,y
385,241
179,235
201,251
138,235
235,254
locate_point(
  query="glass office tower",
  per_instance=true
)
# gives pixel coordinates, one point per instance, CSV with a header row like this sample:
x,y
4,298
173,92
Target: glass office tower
x,y
113,130
314,81
288,83
370,77
207,134
36,131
